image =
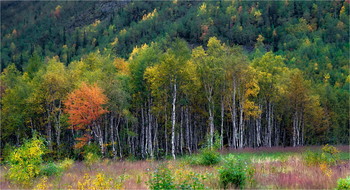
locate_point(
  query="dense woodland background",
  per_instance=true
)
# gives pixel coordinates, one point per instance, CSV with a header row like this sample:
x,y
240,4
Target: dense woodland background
x,y
151,79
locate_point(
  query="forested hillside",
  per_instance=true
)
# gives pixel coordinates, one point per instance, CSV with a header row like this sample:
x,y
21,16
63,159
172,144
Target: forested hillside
x,y
160,78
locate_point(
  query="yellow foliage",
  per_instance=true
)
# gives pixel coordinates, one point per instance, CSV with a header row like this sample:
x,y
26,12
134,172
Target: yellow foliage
x,y
203,8
25,161
326,170
136,50
257,13
96,23
150,15
100,181
43,184
115,42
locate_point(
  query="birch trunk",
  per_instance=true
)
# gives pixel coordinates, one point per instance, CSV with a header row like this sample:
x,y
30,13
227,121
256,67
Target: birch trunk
x,y
173,122
188,132
222,123
150,146
142,134
112,134
241,125
49,126
234,116
181,135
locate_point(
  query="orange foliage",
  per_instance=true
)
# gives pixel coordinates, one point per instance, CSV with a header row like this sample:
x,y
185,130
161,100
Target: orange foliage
x,y
84,105
122,66
82,141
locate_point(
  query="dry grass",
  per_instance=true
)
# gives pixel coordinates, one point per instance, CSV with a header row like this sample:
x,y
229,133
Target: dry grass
x,y
290,173
294,174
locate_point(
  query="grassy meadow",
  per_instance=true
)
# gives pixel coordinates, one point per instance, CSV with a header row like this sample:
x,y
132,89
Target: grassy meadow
x,y
269,168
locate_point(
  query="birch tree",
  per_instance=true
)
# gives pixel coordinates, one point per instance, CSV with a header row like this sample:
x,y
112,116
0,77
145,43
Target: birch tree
x,y
167,77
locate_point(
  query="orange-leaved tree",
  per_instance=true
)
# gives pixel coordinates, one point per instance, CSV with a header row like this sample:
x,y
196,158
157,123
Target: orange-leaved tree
x,y
85,106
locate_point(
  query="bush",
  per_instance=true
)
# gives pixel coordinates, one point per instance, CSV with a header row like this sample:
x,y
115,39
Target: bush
x,y
51,169
66,163
343,184
25,161
161,179
93,148
328,156
101,181
6,152
91,158
209,157
235,172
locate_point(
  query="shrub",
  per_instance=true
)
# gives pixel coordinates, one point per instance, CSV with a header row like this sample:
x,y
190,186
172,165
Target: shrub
x,y
25,161
190,180
343,184
93,148
235,172
312,158
91,158
51,169
161,179
66,163
100,181
209,157
6,152
164,178
43,184
328,156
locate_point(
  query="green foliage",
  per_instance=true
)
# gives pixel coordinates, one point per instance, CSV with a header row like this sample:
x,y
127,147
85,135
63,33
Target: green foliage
x,y
343,183
92,154
164,178
329,156
206,157
25,161
66,163
6,152
236,172
209,157
51,169
91,158
191,181
92,148
161,179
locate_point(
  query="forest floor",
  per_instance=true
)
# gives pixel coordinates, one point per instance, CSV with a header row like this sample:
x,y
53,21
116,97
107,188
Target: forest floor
x,y
274,168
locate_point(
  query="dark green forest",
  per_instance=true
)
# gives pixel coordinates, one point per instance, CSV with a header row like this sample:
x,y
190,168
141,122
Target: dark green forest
x,y
166,78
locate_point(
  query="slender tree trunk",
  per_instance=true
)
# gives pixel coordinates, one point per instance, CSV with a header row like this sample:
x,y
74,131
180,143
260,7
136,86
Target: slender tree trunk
x,y
166,132
241,125
295,125
277,133
302,130
58,125
173,122
222,123
188,132
258,129
181,135
234,116
112,134
211,119
142,143
96,128
150,146
269,123
118,137
49,127
155,137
